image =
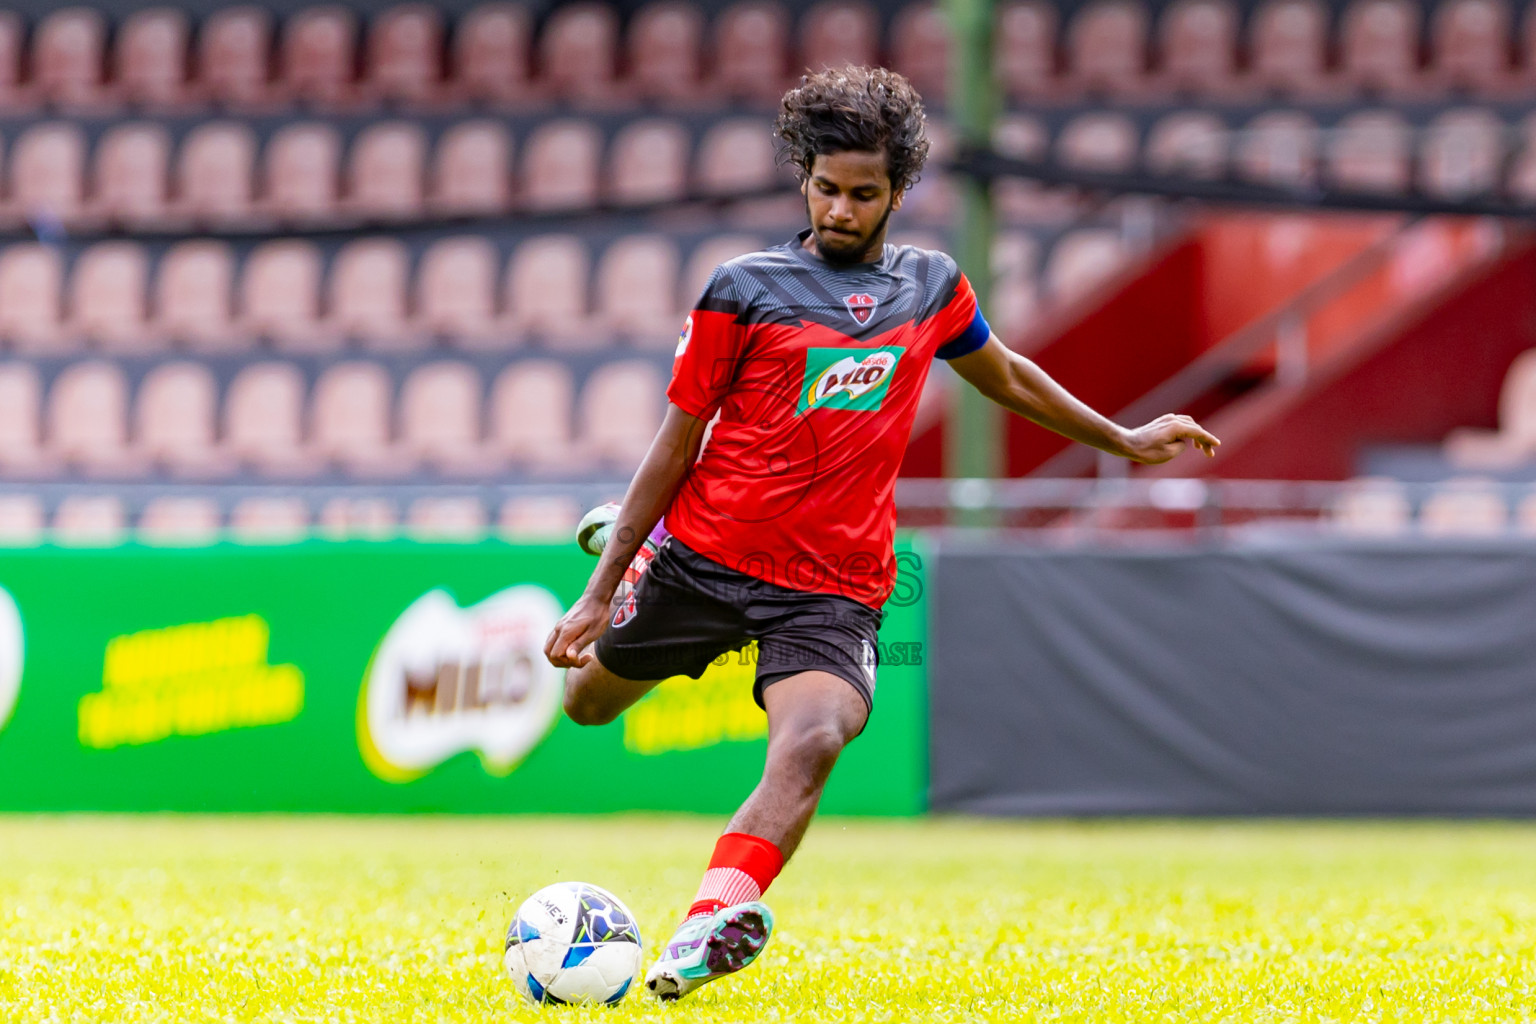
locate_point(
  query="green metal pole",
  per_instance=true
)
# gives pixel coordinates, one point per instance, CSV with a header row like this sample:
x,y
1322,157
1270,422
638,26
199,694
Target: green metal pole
x,y
973,435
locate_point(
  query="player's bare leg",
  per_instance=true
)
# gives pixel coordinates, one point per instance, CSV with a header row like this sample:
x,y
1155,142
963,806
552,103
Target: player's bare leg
x,y
595,696
812,716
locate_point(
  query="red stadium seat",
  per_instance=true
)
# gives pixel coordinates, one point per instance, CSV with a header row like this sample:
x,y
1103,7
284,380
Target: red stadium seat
x,y
445,518
263,419
1019,200
215,173
21,407
648,162
405,47
151,57
531,405
560,165
635,289
368,293
1100,141
69,57
736,155
547,292
107,296
47,172
386,172
21,520
1289,45
666,40
1081,262
233,56
920,47
1279,148
456,291
358,518
132,174
1370,151
88,418
619,412
13,93
440,418
1025,54
280,295
1198,46
31,297
1107,48
1471,44
579,53
491,51
1462,154
1379,45
176,521
751,45
1015,294
472,170
706,256
350,419
1527,46
536,517
192,296
89,520
302,173
272,520
835,33
1191,144
174,419
319,56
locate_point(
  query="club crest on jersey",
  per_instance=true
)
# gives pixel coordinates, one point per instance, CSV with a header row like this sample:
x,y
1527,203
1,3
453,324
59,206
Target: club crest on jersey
x,y
847,378
861,306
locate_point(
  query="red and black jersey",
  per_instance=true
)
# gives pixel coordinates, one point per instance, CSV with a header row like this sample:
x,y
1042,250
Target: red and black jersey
x,y
814,370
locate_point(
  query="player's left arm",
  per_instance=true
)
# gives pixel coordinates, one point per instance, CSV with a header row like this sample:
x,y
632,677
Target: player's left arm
x,y
1018,385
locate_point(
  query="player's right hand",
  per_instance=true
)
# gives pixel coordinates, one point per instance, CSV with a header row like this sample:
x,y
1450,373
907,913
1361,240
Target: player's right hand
x,y
575,632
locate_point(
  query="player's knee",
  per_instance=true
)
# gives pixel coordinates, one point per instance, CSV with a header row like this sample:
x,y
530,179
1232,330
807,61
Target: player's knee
x,y
816,747
583,706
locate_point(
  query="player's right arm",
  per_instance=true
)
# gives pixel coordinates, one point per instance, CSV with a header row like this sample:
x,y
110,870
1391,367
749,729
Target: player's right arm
x,y
661,472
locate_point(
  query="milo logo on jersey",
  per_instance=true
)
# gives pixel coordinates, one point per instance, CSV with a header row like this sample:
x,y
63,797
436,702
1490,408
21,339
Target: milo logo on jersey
x,y
847,378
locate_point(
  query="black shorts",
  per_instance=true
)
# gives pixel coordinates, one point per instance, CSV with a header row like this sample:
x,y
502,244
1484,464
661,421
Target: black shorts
x,y
688,610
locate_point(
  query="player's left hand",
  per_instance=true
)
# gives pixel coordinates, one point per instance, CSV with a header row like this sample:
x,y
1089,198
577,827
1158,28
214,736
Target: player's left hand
x,y
1166,437
569,642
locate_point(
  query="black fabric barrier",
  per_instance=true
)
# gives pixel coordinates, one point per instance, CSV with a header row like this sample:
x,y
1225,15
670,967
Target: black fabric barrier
x,y
1316,678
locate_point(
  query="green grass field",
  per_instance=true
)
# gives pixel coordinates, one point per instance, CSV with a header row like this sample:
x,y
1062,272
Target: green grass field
x,y
285,919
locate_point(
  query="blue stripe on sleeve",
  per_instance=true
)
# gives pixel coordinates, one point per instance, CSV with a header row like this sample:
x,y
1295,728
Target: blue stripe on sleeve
x,y
968,341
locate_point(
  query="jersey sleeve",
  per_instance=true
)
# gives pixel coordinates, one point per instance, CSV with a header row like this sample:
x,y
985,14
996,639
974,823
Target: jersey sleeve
x,y
708,350
960,322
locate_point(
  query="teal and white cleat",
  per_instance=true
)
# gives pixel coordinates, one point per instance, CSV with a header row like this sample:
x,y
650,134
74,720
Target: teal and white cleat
x,y
706,948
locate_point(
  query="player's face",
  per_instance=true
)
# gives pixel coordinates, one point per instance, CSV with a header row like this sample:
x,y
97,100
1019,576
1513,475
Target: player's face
x,y
848,197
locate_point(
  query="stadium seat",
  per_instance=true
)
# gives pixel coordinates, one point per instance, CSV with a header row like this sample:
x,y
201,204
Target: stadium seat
x,y
546,292
932,202
1100,141
1014,299
1514,442
302,173
180,521
530,422
151,58
1372,506
319,55
491,49
108,293
1197,47
1289,43
22,520
386,172
280,294
47,173
234,47
69,57
648,162
635,289
836,33
193,290
174,418
1465,507
31,297
708,255
736,155
1019,200
1525,515
1527,48
533,518
88,419
1107,48
920,47
132,171
560,165
263,420
1462,154
619,412
751,40
1470,44
367,294
1025,54
446,518
14,94
405,46
350,420
89,520
1081,262
358,519
21,417
1279,148
270,520
1370,151
456,292
472,171
1379,45
1190,144
578,53
440,418
215,174
665,41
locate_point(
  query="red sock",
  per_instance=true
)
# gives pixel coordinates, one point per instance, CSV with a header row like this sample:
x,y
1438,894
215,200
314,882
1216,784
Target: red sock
x,y
740,871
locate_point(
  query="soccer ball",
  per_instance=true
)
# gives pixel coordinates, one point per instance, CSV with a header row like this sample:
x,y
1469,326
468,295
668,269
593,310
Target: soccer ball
x,y
573,943
592,535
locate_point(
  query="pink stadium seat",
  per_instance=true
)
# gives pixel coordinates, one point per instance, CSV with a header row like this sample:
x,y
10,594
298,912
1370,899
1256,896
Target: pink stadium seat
x,y
636,285
31,293
449,519
736,155
319,56
1198,46
89,520
69,57
1465,507
834,33
405,46
547,291
177,521
1527,48
1289,44
440,419
13,93
22,520
1101,141
538,517
1521,183
578,53
174,419
456,291
1373,506
1279,148
1025,55
263,419
1462,154
1370,151
531,415
1379,45
491,53
472,170
21,408
386,172
1018,200
751,40
215,173
619,412
706,256
88,416
560,165
273,520
107,296
234,50
368,293
1107,47
920,45
132,173
648,162
192,296
1081,262
1014,299
350,419
280,295
47,172
1471,44
1189,143
1514,442
358,519
666,39
151,57
302,173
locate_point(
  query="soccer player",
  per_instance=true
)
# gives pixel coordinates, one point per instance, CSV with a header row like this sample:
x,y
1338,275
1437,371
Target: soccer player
x,y
809,358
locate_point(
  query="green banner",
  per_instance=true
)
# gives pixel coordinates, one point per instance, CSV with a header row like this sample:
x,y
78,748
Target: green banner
x,y
366,677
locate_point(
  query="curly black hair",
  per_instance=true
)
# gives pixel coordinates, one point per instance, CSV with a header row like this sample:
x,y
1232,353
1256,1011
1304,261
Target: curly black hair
x,y
854,108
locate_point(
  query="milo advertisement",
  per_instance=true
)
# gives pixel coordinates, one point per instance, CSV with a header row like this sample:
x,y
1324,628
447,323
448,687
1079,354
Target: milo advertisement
x,y
375,677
